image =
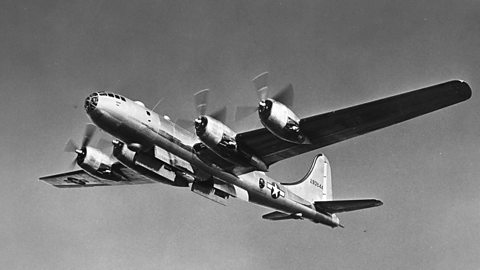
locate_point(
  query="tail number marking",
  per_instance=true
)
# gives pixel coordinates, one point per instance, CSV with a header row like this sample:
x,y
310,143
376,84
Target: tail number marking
x,y
315,183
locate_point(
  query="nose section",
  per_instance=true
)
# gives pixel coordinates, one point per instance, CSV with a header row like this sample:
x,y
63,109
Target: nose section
x,y
91,102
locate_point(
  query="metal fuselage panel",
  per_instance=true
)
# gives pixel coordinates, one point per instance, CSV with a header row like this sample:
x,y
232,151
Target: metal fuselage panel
x,y
134,123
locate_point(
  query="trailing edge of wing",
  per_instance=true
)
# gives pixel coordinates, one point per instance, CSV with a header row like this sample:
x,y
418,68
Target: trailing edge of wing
x,y
336,126
339,206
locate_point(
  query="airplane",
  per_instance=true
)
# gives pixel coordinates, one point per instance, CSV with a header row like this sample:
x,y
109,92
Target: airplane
x,y
217,163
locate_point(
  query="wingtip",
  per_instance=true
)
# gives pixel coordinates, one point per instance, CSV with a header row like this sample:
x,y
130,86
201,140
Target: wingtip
x,y
468,90
464,89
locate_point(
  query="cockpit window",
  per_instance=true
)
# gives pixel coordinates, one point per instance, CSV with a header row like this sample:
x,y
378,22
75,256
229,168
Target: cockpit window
x,y
103,93
148,113
91,102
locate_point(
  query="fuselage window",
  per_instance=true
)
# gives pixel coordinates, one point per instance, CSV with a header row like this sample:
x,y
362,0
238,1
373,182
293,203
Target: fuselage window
x,y
110,95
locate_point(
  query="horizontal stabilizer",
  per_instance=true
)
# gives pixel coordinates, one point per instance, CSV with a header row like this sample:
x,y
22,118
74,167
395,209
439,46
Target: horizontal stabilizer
x,y
276,215
345,205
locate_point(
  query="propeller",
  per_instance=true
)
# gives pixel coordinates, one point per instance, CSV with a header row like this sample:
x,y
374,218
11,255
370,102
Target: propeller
x,y
284,96
201,101
103,144
81,151
201,106
261,85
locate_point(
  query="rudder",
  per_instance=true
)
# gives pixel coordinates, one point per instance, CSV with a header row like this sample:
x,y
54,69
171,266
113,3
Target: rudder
x,y
316,185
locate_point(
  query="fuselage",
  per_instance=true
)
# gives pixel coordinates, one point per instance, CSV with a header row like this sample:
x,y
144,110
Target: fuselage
x,y
141,129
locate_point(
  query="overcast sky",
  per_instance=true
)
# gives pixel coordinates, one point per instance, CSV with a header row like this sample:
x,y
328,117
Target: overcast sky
x,y
335,53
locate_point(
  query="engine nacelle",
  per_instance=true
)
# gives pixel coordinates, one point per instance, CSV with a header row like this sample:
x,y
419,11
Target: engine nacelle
x,y
97,163
150,166
281,121
135,147
123,153
215,134
130,158
222,140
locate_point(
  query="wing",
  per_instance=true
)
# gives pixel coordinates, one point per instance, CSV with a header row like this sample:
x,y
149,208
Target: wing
x,y
345,206
333,127
72,179
80,178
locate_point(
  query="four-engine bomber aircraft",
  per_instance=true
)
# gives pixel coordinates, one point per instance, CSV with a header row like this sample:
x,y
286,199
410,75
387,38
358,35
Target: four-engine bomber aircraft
x,y
218,163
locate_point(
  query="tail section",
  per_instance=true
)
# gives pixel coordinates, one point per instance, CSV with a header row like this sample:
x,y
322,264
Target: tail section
x,y
316,188
317,184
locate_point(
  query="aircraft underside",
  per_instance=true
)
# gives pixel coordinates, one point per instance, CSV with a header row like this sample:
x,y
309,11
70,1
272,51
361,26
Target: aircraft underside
x,y
218,163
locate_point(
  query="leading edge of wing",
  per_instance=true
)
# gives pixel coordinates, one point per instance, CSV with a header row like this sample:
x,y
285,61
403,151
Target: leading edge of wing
x,y
336,126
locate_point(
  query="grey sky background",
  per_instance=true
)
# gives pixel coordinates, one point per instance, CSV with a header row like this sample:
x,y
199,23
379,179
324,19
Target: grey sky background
x,y
335,53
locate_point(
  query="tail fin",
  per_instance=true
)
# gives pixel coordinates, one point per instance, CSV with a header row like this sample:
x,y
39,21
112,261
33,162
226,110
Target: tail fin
x,y
317,184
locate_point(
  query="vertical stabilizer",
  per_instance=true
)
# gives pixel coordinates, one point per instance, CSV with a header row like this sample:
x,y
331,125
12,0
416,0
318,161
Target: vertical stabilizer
x,y
317,184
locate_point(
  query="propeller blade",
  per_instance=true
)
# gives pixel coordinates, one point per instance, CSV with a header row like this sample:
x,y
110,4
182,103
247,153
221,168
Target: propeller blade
x,y
72,164
104,144
201,100
70,146
220,115
90,130
261,85
158,103
285,96
244,111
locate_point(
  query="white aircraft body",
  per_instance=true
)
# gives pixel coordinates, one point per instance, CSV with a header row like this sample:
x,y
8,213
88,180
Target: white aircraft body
x,y
218,163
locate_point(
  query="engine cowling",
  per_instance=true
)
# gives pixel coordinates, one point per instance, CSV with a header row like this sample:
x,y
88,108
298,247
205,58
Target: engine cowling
x,y
150,166
281,121
222,140
215,134
96,163
130,158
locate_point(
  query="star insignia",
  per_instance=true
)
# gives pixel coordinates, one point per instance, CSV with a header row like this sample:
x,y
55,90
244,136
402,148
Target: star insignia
x,y
276,191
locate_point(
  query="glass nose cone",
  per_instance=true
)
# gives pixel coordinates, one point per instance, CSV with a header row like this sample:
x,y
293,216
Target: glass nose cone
x,y
91,102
